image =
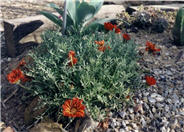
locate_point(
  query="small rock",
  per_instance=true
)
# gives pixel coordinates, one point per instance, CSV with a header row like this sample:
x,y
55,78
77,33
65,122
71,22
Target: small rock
x,y
174,124
143,122
158,97
169,73
134,125
131,116
169,101
163,129
145,99
159,105
131,110
122,114
167,108
123,124
145,94
153,110
151,100
121,130
113,124
138,108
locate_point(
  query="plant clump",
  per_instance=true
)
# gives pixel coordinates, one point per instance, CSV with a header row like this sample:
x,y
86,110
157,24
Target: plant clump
x,y
99,69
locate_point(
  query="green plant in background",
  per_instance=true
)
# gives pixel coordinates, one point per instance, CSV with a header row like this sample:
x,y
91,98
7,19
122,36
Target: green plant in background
x,y
101,77
79,15
178,30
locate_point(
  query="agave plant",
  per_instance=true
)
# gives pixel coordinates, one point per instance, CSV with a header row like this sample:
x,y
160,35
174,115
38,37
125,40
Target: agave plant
x,y
79,15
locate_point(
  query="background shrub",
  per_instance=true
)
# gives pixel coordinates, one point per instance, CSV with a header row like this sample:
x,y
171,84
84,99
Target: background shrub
x,y
101,79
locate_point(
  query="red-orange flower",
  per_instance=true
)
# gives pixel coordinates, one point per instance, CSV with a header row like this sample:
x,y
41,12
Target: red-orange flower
x,y
151,47
102,48
100,43
126,36
14,76
108,26
150,80
73,108
117,30
71,53
22,63
72,58
25,79
73,61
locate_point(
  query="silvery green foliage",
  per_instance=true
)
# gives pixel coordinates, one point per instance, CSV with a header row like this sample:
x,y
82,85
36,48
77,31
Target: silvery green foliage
x,y
178,30
101,79
79,15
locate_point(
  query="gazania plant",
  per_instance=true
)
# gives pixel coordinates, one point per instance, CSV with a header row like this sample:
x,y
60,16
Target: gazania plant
x,y
94,73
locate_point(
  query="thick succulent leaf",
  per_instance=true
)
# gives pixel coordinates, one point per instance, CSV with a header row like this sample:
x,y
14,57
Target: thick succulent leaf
x,y
85,12
69,20
97,4
52,17
55,7
71,9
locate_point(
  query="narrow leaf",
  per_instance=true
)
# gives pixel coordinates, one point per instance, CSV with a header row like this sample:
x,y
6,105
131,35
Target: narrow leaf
x,y
52,17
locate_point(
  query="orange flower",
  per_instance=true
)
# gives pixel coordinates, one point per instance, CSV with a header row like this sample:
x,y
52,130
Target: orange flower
x,y
25,79
126,36
71,53
22,63
14,76
117,30
102,48
150,80
73,61
100,43
108,26
151,47
73,108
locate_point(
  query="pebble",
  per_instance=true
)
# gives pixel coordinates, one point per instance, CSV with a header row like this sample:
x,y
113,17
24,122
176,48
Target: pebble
x,y
123,124
122,130
151,100
122,114
113,124
146,94
159,105
169,73
166,108
154,110
143,122
157,97
169,101
131,110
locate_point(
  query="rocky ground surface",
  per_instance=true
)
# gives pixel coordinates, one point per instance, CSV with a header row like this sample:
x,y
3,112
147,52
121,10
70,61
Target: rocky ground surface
x,y
160,107
157,108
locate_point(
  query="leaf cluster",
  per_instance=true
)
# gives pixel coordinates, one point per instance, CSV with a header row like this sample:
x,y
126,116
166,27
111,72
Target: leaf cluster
x,y
80,16
101,79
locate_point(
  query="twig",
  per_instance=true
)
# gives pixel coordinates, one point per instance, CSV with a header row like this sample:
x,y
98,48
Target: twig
x,y
11,95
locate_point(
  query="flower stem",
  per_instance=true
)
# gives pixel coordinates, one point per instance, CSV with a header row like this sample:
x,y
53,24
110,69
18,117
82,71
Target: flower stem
x,y
25,87
69,123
